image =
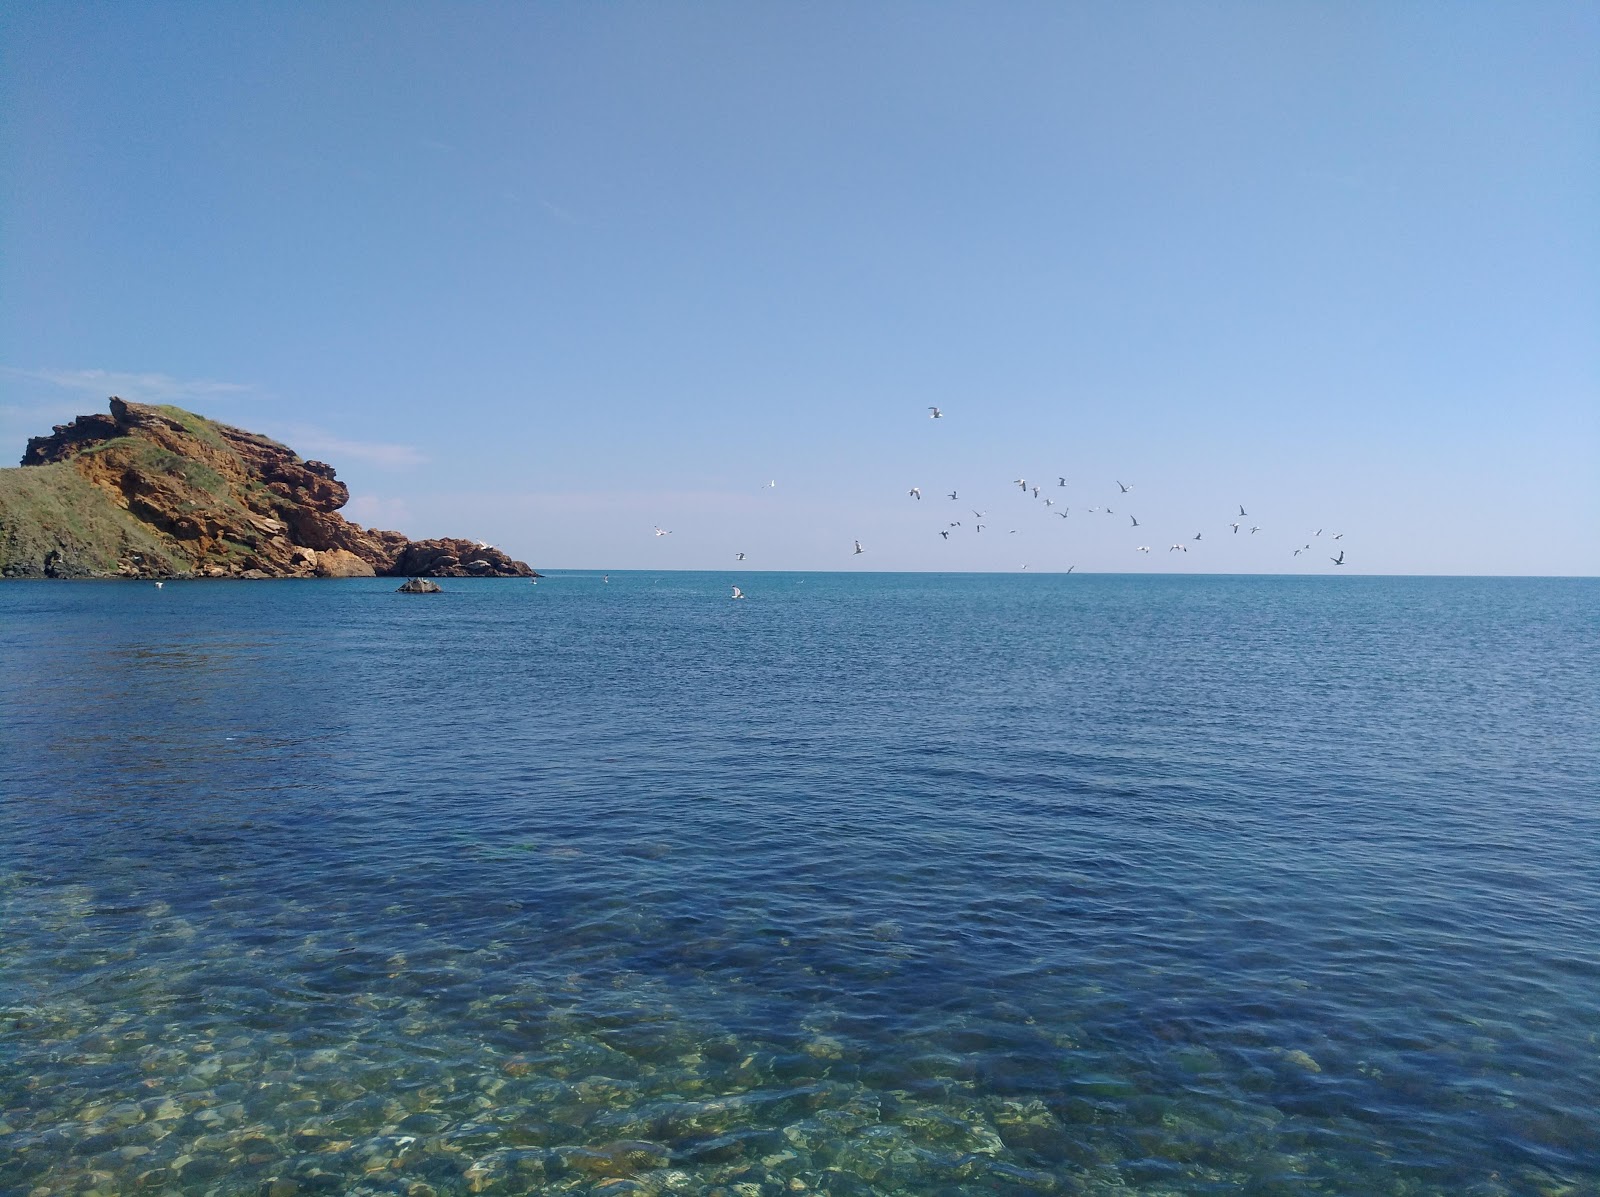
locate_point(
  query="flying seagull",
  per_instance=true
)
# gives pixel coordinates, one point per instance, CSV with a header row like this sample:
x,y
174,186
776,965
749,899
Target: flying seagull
x,y
1021,482
1339,560
1126,487
660,531
859,549
738,556
1242,511
1144,548
977,513
1135,520
1064,514
1061,480
952,494
1254,528
945,532
1197,536
936,414
1235,528
916,493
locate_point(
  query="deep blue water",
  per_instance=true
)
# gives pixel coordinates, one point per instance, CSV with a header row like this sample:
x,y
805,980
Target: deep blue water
x,y
868,884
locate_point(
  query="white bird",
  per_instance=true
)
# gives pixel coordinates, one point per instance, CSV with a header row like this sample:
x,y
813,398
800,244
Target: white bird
x,y
915,493
859,549
158,585
1254,528
1338,535
772,484
1049,502
1235,528
980,527
936,414
1144,548
1339,560
977,513
1176,547
738,556
1197,536
1021,482
660,531
737,593
952,494
1036,492
1126,486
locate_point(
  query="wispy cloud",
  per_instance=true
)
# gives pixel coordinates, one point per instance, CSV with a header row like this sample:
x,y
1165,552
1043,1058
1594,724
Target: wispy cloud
x,y
311,441
141,388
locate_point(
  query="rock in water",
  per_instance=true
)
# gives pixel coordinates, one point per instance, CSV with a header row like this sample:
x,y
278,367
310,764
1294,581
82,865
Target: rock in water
x,y
419,586
153,492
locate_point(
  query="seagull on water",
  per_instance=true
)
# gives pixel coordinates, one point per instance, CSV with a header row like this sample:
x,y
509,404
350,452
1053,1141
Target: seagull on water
x,y
158,585
737,593
935,413
1176,547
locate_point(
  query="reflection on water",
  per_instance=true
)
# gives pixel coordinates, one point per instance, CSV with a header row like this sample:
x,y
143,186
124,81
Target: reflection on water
x,y
307,890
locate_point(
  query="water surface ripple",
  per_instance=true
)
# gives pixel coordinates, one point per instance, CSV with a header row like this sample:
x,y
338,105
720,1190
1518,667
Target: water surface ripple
x,y
878,884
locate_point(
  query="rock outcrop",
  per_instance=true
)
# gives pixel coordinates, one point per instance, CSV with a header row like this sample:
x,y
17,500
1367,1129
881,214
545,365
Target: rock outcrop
x,y
161,492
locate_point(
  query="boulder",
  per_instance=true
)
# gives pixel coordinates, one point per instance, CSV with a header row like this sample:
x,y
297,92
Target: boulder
x,y
419,586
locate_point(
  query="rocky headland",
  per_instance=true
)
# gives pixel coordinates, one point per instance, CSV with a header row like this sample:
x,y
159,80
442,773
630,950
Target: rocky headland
x,y
159,492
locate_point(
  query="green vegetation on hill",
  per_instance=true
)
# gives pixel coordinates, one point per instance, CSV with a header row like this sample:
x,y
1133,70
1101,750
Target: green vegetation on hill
x,y
51,513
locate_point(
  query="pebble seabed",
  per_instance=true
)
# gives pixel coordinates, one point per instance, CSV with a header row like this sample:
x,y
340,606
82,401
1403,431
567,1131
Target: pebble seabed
x,y
235,1048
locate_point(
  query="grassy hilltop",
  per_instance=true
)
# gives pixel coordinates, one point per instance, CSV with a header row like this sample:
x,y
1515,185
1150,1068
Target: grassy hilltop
x,y
152,491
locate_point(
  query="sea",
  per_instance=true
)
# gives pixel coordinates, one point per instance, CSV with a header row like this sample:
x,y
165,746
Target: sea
x,y
865,884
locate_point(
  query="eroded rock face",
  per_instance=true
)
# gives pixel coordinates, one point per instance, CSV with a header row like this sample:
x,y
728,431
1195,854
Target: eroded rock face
x,y
203,499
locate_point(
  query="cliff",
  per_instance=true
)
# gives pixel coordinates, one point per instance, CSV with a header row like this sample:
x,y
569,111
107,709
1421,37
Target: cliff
x,y
161,492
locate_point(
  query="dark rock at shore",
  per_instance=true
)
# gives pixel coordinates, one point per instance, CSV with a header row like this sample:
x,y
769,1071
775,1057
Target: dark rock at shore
x,y
419,586
161,492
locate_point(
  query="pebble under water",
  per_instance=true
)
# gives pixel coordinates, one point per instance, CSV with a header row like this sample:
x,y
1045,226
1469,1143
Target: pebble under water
x,y
871,884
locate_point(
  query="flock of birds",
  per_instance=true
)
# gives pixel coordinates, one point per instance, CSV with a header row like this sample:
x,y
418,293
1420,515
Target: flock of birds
x,y
1045,495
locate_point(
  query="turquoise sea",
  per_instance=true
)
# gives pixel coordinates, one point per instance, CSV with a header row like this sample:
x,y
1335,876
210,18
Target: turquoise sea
x,y
870,884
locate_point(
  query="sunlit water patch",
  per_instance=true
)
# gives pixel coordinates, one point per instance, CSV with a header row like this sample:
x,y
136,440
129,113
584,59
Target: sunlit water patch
x,y
866,885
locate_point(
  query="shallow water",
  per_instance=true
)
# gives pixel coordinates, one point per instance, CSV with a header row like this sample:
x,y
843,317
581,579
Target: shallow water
x,y
869,884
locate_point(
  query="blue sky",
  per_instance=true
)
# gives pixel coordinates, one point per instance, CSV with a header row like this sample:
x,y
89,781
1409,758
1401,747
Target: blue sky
x,y
556,274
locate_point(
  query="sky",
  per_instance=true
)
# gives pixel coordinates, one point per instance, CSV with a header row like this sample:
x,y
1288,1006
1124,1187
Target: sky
x,y
557,275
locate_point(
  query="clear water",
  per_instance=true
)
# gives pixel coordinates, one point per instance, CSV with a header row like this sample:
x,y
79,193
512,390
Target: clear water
x,y
868,884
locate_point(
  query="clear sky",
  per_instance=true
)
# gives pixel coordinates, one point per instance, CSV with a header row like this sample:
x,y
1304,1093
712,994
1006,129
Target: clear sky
x,y
555,274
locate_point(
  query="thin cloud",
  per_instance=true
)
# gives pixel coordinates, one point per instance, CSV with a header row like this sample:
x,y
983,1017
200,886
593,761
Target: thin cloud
x,y
140,388
310,441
